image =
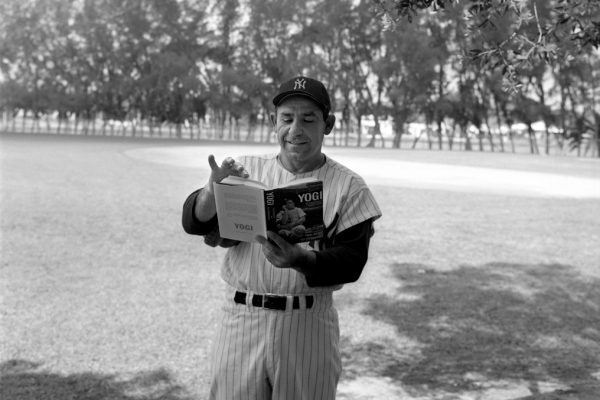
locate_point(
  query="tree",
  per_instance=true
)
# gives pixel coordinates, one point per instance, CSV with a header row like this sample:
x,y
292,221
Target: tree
x,y
529,37
408,71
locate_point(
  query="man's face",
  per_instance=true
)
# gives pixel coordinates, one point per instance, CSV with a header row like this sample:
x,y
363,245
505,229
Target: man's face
x,y
300,131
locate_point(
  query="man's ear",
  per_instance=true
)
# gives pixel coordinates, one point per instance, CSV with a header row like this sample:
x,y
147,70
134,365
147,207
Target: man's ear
x,y
273,118
329,124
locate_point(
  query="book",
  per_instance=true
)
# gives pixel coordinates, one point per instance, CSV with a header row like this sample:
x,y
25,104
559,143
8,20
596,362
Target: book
x,y
247,208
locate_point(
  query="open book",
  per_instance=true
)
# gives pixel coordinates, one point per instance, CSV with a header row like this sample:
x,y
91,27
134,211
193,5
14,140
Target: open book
x,y
247,208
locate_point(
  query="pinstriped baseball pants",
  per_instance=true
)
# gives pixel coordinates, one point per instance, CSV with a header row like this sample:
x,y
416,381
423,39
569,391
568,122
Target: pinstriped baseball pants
x,y
271,354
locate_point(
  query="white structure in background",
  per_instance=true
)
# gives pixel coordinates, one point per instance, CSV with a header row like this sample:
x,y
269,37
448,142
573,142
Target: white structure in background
x,y
539,129
386,126
419,129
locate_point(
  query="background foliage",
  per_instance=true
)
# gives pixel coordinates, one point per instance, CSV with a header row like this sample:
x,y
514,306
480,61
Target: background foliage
x,y
468,71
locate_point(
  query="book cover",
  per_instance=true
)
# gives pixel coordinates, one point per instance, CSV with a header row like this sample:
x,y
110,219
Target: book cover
x,y
247,208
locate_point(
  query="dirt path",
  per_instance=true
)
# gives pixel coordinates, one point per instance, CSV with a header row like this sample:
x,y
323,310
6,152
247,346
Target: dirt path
x,y
412,174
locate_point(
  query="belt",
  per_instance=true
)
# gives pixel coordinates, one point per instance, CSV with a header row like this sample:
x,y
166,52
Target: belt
x,y
273,302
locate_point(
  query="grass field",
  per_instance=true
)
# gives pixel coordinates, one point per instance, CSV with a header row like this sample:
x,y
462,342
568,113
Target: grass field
x,y
483,280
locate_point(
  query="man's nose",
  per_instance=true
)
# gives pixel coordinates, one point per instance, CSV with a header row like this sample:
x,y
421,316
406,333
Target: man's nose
x,y
295,127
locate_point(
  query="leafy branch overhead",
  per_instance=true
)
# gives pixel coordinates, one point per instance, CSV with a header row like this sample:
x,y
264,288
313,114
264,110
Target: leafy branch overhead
x,y
512,35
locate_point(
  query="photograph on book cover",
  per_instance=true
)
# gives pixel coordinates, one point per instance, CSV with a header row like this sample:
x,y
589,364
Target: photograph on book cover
x,y
297,213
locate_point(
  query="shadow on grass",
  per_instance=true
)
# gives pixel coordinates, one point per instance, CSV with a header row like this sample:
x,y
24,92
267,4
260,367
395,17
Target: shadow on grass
x,y
23,380
492,322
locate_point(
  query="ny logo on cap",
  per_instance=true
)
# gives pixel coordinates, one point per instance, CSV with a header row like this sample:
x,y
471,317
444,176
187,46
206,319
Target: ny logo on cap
x,y
300,84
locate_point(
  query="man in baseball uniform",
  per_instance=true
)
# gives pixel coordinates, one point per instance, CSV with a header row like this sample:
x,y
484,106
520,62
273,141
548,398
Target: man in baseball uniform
x,y
279,337
289,221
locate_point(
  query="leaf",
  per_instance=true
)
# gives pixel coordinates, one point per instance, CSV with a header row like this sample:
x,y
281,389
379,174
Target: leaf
x,y
563,19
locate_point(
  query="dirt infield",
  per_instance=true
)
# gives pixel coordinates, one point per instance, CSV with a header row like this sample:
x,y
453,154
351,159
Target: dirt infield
x,y
483,280
388,168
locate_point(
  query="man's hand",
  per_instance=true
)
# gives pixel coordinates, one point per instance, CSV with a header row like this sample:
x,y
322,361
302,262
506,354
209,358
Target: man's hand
x,y
228,167
282,254
205,201
214,239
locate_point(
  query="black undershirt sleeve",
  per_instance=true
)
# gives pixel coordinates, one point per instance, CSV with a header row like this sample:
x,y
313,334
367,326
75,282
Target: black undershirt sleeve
x,y
190,223
341,263
345,260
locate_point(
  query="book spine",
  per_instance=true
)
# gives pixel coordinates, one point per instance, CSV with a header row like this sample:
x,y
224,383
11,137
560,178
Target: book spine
x,y
270,210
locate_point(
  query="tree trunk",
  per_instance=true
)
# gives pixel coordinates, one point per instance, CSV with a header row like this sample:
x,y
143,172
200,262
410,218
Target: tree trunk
x,y
36,123
468,145
542,94
359,120
86,125
499,123
67,125
563,118
230,132
221,124
597,138
14,123
511,138
372,140
23,128
532,140
76,126
346,131
428,133
250,131
376,131
489,133
414,143
261,131
399,129
397,140
451,136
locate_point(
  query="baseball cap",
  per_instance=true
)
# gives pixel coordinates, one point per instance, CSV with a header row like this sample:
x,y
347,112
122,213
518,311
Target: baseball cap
x,y
307,87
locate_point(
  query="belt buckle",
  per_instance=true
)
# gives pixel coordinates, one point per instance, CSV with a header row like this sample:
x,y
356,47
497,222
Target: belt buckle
x,y
269,302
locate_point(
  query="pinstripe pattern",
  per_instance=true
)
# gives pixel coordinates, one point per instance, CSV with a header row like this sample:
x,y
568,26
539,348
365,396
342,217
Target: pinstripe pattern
x,y
265,354
344,193
292,354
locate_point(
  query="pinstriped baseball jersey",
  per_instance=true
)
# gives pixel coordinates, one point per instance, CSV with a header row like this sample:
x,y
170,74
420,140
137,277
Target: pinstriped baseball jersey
x,y
347,201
